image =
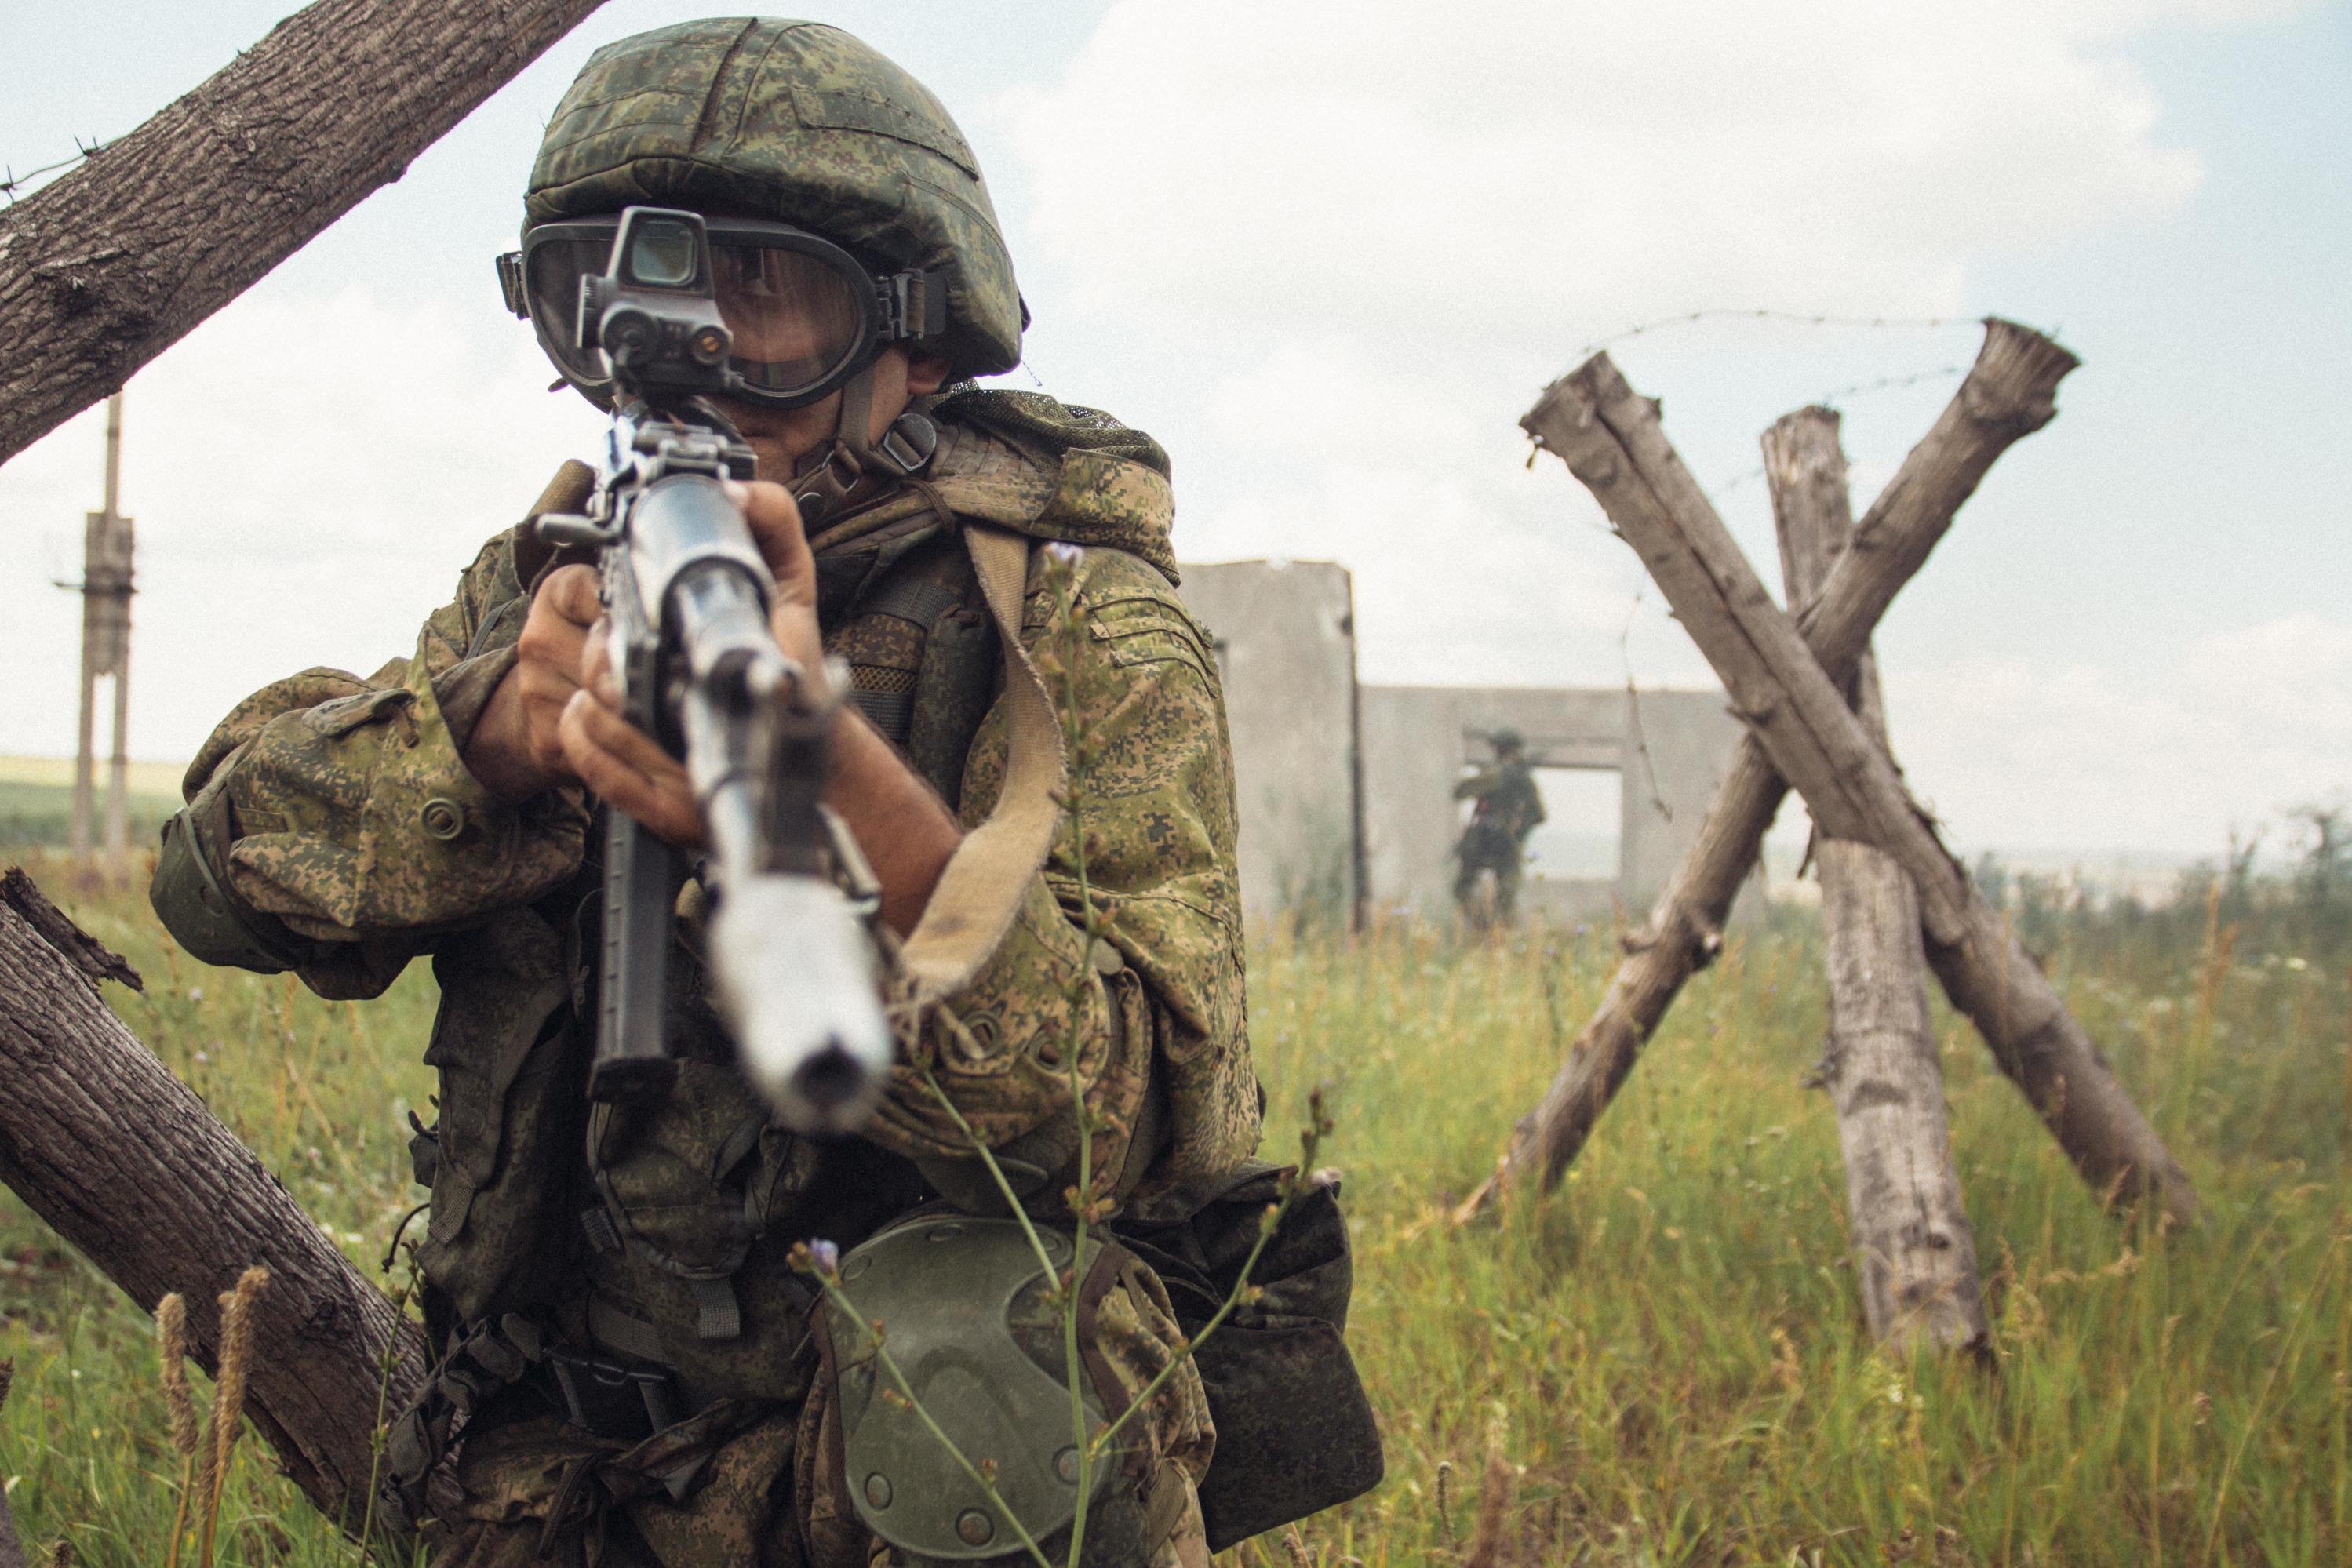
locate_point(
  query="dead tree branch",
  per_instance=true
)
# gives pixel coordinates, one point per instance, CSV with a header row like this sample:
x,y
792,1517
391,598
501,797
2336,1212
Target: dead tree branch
x,y
2009,394
1915,1253
119,1158
1613,443
105,267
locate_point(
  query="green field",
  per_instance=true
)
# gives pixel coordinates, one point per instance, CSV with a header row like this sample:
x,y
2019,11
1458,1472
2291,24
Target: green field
x,y
1670,1351
36,799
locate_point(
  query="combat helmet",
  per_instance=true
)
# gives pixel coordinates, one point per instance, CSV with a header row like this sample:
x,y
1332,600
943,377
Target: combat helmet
x,y
794,122
1506,741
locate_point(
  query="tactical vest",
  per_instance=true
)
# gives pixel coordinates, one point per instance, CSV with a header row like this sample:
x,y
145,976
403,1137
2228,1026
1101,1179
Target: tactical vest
x,y
664,1221
668,1241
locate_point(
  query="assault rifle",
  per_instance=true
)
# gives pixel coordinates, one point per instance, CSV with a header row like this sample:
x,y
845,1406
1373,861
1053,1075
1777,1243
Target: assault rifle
x,y
686,598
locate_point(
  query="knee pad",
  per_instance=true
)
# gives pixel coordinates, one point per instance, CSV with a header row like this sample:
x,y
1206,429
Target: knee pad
x,y
967,1319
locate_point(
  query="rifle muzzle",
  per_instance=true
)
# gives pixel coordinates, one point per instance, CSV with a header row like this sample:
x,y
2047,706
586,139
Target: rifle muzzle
x,y
795,977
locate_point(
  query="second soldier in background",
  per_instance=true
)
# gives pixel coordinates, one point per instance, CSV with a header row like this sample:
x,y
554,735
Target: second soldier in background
x,y
1507,807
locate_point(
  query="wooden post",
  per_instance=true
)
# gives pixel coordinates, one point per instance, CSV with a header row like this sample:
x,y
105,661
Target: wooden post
x,y
1915,1254
2009,394
122,557
120,1159
1613,443
107,266
106,588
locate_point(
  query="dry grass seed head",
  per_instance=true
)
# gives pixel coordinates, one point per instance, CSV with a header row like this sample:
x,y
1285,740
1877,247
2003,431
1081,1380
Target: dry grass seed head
x,y
1494,1490
172,1330
228,1396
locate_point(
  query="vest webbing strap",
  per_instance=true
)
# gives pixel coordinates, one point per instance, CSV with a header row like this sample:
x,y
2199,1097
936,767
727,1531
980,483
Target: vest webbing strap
x,y
984,883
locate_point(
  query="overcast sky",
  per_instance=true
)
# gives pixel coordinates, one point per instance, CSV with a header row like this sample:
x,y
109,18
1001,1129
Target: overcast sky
x,y
1329,265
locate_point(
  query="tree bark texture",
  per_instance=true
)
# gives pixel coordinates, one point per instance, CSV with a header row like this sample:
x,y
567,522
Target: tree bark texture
x,y
1915,1254
1613,443
2009,394
106,267
119,1158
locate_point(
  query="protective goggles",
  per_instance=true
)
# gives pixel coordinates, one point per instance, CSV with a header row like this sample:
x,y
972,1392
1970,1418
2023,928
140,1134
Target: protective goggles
x,y
805,314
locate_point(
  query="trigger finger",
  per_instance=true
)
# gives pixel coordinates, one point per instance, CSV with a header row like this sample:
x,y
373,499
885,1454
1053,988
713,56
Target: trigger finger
x,y
572,592
596,665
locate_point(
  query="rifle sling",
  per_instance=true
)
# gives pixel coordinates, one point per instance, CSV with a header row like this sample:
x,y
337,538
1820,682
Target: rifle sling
x,y
985,880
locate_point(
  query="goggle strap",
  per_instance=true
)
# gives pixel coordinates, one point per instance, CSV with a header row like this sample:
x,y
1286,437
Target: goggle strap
x,y
822,487
914,304
510,284
826,486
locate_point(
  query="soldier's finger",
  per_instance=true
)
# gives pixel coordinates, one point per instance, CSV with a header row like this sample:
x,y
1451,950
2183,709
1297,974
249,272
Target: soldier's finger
x,y
570,592
629,772
597,666
775,523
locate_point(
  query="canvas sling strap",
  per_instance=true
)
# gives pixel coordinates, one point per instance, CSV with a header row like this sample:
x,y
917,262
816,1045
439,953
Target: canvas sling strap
x,y
985,880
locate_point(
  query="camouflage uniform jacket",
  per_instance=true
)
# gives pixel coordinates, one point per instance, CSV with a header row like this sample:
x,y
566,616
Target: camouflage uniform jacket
x,y
338,810
1509,807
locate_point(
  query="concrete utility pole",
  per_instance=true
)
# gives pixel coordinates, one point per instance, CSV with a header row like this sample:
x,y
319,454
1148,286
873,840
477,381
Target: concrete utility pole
x,y
106,593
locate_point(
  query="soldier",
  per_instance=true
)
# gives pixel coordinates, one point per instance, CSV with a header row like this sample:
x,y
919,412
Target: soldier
x,y
1509,807
628,1370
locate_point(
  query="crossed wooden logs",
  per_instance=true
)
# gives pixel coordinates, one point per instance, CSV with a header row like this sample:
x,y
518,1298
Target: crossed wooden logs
x,y
1789,679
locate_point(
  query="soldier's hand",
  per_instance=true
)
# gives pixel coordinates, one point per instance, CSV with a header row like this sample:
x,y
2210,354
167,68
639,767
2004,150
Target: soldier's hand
x,y
516,748
623,765
775,524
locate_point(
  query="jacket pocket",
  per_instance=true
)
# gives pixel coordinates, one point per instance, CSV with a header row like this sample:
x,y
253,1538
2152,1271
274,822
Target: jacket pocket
x,y
511,1062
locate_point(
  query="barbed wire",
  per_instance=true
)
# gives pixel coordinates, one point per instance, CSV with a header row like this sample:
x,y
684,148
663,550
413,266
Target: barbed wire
x,y
1891,383
1633,708
1783,318
10,180
1827,399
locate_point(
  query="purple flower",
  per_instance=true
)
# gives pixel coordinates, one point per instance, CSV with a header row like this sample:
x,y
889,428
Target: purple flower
x,y
824,1255
1064,551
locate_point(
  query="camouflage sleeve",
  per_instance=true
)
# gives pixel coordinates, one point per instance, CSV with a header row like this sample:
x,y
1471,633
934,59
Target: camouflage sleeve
x,y
1479,785
339,809
1159,988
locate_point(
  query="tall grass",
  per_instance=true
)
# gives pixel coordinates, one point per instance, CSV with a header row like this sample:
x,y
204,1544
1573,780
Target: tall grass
x,y
1669,1352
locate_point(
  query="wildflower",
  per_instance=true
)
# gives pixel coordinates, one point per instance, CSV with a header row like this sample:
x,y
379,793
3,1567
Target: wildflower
x,y
1067,554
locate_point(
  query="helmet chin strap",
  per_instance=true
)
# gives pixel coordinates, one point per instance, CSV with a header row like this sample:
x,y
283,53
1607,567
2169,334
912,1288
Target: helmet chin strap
x,y
825,478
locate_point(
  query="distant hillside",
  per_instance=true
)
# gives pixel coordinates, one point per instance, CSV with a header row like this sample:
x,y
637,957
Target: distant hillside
x,y
37,799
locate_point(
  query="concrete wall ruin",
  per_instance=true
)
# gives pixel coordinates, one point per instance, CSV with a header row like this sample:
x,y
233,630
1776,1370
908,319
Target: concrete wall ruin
x,y
1345,791
1286,644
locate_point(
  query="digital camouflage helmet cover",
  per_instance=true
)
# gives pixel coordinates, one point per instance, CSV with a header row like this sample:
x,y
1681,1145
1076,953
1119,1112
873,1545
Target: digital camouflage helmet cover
x,y
794,122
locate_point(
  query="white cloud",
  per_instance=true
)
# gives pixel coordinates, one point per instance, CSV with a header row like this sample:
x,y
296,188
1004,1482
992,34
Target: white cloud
x,y
1508,168
308,473
1350,244
2246,725
1337,250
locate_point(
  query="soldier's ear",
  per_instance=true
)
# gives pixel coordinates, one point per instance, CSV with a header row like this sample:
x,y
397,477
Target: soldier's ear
x,y
926,373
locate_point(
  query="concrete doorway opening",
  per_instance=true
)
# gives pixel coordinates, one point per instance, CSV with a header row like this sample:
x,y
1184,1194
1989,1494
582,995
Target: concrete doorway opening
x,y
1576,857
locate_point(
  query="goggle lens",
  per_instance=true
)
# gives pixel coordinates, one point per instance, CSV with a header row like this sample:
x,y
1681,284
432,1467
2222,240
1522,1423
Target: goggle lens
x,y
800,319
795,317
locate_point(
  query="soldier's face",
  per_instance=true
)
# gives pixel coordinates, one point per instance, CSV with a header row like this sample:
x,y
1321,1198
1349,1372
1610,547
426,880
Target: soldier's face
x,y
781,437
